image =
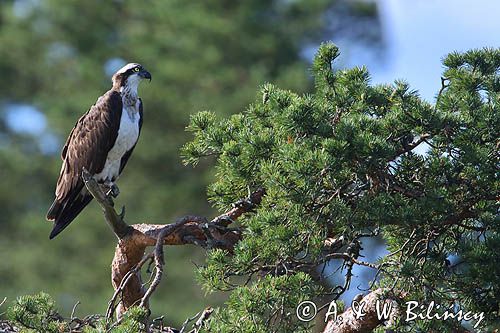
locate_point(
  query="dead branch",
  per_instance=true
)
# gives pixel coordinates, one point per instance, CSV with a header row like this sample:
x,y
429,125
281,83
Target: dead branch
x,y
159,260
74,310
133,240
351,259
202,319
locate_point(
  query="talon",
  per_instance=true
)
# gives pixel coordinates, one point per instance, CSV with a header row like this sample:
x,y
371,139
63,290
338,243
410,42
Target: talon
x,y
122,213
113,190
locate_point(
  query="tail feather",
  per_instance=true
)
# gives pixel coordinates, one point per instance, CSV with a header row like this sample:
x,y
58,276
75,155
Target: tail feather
x,y
54,210
64,214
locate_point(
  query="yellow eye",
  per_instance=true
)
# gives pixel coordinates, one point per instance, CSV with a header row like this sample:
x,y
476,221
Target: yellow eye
x,y
136,69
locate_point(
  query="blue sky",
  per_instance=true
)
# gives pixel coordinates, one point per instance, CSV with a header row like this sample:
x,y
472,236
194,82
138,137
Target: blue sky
x,y
420,33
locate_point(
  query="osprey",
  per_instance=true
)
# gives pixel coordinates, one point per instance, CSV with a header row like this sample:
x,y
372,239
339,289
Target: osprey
x,y
101,142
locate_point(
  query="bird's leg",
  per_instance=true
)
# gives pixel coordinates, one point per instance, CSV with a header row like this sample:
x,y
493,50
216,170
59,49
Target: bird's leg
x,y
113,190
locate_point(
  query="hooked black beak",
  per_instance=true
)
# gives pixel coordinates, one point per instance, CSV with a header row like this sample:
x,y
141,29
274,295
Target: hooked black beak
x,y
145,74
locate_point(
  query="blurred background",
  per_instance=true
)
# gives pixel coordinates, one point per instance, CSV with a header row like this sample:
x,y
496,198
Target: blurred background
x,y
57,57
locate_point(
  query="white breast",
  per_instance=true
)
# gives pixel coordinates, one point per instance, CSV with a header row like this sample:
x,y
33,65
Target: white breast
x,y
126,139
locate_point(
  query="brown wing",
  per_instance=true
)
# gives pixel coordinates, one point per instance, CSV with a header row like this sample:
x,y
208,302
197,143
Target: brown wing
x,y
87,147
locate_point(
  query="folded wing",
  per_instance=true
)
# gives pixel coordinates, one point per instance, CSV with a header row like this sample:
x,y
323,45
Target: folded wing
x,y
87,147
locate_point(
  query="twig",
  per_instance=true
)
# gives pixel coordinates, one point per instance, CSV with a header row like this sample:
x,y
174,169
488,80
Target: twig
x,y
411,146
187,321
112,303
2,303
350,259
404,245
74,310
443,87
201,320
239,208
159,262
159,259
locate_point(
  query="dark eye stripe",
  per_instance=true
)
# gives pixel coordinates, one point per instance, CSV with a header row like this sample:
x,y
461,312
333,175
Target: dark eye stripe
x,y
133,70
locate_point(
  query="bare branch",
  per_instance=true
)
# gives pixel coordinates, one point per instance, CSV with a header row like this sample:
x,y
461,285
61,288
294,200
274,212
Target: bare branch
x,y
444,85
115,221
133,240
74,310
2,303
422,138
240,207
186,322
159,259
350,259
202,319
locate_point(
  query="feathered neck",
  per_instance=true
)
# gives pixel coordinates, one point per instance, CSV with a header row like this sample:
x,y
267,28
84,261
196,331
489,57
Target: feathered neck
x,y
129,94
127,86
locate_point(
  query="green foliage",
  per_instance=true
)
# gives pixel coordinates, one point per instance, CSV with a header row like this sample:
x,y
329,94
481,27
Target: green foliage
x,y
345,161
36,313
263,312
132,322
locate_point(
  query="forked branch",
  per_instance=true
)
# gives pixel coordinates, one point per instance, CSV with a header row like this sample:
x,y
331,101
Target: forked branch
x,y
130,254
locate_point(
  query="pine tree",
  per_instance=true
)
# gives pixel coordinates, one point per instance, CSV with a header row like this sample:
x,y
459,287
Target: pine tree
x,y
342,164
